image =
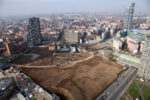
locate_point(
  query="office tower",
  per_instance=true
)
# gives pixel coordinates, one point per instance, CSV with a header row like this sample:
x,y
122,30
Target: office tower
x,y
144,70
34,32
128,17
72,37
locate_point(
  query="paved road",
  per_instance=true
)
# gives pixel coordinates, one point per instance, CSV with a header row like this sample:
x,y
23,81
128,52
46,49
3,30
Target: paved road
x,y
119,87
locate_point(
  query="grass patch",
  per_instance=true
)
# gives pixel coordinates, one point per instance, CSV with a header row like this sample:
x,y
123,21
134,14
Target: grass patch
x,y
122,98
113,58
133,91
121,73
110,50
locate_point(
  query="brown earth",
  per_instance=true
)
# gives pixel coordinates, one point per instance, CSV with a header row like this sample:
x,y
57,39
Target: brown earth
x,y
43,52
96,46
60,59
84,81
23,60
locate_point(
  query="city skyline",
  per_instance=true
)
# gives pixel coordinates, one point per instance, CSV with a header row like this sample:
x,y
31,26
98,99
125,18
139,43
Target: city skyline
x,y
33,7
74,50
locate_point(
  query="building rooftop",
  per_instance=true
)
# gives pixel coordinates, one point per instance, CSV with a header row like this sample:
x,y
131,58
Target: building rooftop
x,y
4,83
137,34
133,59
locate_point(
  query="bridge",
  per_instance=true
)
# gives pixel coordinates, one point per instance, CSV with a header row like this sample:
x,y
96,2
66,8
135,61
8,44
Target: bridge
x,y
120,86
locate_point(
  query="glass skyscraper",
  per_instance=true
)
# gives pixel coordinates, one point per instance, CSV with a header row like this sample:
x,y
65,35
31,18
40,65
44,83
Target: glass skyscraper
x,y
128,17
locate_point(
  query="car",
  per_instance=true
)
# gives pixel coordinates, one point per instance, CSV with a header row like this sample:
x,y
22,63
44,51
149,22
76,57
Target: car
x,y
105,96
117,84
102,98
108,93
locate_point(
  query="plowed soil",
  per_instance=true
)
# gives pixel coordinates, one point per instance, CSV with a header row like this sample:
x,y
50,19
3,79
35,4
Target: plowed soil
x,y
84,81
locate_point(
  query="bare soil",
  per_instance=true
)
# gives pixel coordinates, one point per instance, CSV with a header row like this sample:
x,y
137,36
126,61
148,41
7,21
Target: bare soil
x,y
43,52
96,46
83,81
60,59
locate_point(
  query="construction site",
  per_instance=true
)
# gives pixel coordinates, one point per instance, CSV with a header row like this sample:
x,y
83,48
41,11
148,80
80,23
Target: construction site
x,y
95,47
78,76
34,54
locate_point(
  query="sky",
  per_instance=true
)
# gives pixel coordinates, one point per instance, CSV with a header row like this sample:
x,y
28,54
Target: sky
x,y
31,7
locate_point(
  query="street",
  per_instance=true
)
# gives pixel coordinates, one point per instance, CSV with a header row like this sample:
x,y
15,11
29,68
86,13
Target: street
x,y
118,88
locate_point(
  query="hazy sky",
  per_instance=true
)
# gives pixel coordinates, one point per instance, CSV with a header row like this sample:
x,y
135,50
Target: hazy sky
x,y
28,7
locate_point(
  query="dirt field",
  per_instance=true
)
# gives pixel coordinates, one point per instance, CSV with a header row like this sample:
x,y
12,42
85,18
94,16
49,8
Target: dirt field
x,y
23,60
60,59
43,52
84,81
96,46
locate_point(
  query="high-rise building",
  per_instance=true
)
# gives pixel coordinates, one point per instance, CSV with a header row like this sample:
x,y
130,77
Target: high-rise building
x,y
72,37
34,32
128,17
144,70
